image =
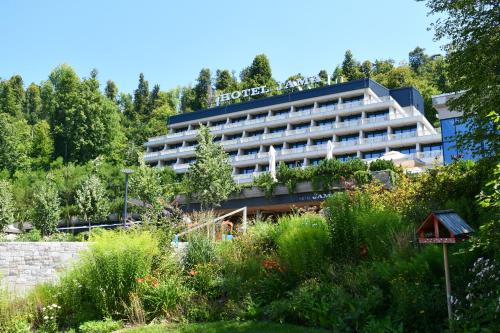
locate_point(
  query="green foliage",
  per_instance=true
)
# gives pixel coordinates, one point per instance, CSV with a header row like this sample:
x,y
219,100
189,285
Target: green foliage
x,y
302,244
209,179
200,250
379,164
91,200
362,177
34,235
108,273
7,205
470,30
266,183
46,210
105,326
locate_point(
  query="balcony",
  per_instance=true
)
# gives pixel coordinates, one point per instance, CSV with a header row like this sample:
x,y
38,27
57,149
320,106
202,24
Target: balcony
x,y
245,157
296,131
292,150
348,143
251,138
349,123
380,138
323,146
255,121
401,136
189,148
273,135
181,167
229,142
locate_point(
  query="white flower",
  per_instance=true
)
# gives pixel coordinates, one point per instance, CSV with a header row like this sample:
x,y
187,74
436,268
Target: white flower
x,y
45,318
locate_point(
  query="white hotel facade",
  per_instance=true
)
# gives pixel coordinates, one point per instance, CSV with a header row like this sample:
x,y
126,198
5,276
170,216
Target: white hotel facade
x,y
362,118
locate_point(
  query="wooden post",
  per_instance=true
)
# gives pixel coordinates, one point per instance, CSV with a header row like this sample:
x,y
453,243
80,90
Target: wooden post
x,y
448,284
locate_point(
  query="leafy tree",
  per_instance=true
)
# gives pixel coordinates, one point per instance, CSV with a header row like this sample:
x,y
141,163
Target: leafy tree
x,y
12,96
366,68
203,90
91,200
7,207
15,143
141,97
42,147
188,99
323,75
111,90
33,104
154,98
417,58
46,209
209,179
383,66
471,27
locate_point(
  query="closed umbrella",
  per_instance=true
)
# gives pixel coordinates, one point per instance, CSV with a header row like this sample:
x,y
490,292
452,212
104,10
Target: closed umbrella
x,y
329,150
272,162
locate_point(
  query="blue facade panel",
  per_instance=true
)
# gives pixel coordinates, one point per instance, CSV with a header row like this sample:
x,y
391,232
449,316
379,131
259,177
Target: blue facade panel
x,y
284,98
408,96
449,129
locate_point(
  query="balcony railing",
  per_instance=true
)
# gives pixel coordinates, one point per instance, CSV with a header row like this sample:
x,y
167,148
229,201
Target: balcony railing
x,y
323,146
251,138
293,150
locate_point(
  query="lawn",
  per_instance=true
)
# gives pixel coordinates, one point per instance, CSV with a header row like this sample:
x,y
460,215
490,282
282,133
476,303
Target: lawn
x,y
226,327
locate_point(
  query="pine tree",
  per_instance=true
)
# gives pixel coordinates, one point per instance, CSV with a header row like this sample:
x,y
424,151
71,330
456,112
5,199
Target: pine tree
x,y
33,104
111,90
141,97
154,99
12,96
366,68
259,73
350,69
42,147
203,90
224,81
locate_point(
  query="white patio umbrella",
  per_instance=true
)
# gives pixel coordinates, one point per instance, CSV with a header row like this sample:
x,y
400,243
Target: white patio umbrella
x,y
329,150
272,162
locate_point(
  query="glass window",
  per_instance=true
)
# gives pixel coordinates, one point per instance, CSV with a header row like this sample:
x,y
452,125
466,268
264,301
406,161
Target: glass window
x,y
234,136
239,119
373,154
169,162
350,137
295,164
375,134
346,157
278,112
174,145
407,129
277,129
190,160
259,115
247,170
321,141
255,133
351,117
325,122
407,150
315,161
218,122
217,138
377,114
328,103
304,107
300,126
232,153
431,147
353,99
298,144
251,151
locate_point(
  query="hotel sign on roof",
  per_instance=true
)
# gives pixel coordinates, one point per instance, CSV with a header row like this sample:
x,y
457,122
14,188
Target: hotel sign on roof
x,y
296,83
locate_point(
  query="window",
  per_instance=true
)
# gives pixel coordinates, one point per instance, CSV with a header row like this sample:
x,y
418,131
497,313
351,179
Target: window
x,y
246,170
169,162
277,129
328,104
304,107
277,148
329,121
264,167
351,117
180,129
157,148
315,161
190,160
407,150
259,115
191,143
449,129
232,153
404,130
375,134
301,126
251,151
239,120
431,147
377,114
255,133
351,137
374,154
299,144
233,136
279,112
295,164
218,122
346,157
217,138
174,145
321,141
353,99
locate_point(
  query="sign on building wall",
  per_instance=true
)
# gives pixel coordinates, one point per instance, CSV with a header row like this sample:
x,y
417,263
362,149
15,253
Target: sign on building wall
x,y
295,83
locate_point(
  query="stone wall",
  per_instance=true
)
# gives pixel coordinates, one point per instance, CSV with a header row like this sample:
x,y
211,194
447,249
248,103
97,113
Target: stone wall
x,y
25,264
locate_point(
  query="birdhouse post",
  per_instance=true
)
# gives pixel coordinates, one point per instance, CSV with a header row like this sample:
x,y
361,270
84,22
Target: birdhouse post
x,y
444,227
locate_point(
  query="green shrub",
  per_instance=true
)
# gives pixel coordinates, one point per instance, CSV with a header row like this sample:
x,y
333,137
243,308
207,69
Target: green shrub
x,y
34,235
104,326
266,183
302,244
200,249
99,286
362,177
379,165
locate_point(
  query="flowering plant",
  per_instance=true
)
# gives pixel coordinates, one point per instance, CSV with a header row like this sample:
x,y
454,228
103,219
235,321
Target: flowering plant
x,y
49,315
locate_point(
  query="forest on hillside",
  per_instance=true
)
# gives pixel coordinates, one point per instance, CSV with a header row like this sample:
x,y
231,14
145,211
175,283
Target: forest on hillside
x,y
78,119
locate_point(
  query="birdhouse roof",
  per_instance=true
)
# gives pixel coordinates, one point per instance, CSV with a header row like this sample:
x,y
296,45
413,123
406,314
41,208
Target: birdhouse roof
x,y
449,219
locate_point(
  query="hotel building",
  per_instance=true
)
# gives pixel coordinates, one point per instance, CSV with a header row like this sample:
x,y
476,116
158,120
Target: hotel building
x,y
362,119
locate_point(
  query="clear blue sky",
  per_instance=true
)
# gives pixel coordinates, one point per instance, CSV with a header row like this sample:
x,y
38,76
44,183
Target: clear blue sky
x,y
170,41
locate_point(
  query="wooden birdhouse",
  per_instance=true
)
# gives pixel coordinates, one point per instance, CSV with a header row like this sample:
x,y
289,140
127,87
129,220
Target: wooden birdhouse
x,y
443,226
